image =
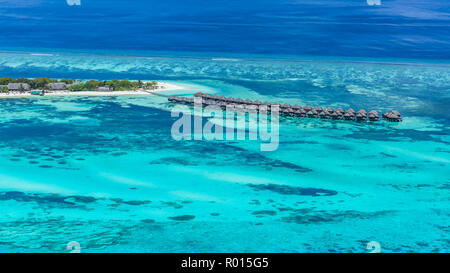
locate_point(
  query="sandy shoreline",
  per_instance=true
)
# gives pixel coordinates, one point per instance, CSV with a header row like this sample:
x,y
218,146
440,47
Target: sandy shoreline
x,y
162,86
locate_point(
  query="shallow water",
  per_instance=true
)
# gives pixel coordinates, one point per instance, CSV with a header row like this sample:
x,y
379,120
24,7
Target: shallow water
x,y
105,171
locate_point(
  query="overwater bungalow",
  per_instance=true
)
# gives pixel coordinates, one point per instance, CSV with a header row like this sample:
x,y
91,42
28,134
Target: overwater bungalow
x,y
394,116
307,108
313,114
318,109
351,110
248,101
338,116
329,110
290,112
324,115
297,112
285,106
198,94
302,112
373,115
339,110
350,114
361,115
276,104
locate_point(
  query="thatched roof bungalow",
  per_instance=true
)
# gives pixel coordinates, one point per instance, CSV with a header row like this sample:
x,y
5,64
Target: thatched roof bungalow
x,y
394,116
290,112
105,88
18,87
339,115
350,110
350,114
324,115
318,109
312,114
361,115
57,86
373,115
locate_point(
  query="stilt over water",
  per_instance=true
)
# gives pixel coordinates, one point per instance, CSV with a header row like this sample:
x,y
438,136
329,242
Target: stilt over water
x,y
247,105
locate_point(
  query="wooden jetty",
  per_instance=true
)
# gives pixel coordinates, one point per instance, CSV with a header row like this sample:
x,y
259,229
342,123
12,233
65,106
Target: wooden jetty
x,y
238,104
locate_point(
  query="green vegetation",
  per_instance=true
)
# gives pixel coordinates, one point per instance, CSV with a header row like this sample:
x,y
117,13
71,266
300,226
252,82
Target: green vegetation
x,y
5,81
39,83
3,89
66,81
116,85
92,85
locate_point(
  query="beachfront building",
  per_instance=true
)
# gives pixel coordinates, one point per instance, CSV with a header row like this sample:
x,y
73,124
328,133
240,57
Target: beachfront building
x,y
57,86
16,87
105,88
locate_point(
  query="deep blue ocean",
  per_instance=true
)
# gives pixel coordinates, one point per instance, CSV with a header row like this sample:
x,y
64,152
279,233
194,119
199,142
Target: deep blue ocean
x,y
396,28
105,171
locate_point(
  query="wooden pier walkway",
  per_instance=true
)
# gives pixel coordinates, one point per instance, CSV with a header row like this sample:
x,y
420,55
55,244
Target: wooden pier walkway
x,y
286,109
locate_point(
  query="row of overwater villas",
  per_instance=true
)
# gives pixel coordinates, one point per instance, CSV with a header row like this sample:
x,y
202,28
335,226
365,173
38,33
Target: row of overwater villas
x,y
287,109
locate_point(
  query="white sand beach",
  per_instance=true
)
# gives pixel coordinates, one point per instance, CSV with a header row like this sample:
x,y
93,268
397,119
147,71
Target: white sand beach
x,y
162,86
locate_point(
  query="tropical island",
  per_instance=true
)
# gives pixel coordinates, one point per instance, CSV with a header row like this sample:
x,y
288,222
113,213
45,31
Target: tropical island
x,y
10,87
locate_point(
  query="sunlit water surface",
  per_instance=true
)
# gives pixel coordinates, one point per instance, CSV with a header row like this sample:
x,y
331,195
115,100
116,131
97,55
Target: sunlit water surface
x,y
105,171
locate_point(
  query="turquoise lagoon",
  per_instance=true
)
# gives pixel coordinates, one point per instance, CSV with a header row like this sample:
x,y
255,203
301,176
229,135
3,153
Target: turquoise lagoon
x,y
105,172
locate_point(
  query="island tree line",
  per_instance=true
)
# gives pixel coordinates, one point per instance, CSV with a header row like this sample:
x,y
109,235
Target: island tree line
x,y
78,85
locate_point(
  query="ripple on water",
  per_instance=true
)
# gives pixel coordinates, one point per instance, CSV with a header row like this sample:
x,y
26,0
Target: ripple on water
x,y
182,217
289,190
